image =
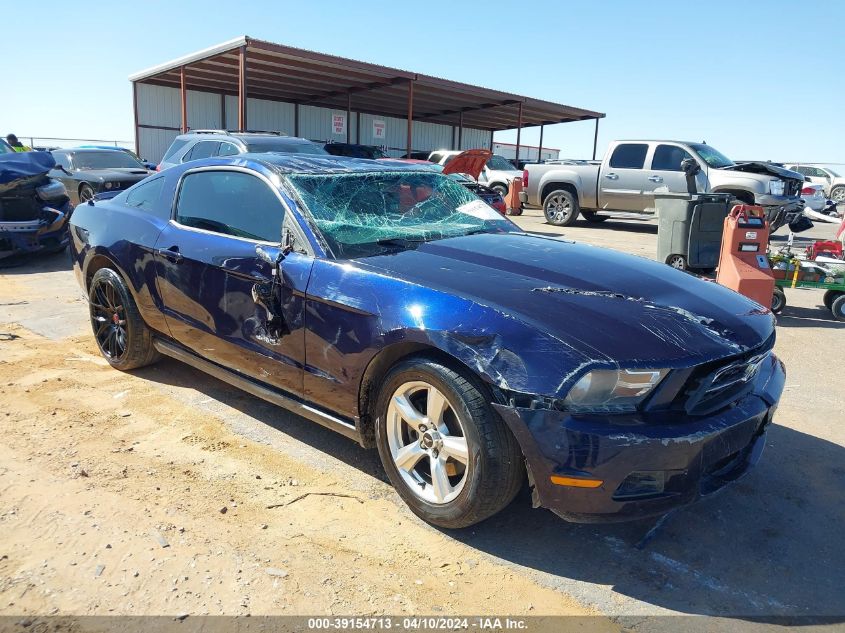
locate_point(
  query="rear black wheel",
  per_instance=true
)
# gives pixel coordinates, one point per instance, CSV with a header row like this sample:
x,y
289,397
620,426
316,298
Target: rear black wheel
x,y
122,336
778,300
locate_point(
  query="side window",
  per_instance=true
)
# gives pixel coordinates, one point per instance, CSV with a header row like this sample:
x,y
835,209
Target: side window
x,y
228,149
203,149
146,196
435,158
802,170
231,203
817,173
629,156
175,146
668,158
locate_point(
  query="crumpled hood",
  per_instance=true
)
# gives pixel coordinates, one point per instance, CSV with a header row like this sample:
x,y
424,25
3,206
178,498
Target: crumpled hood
x,y
23,167
609,306
767,169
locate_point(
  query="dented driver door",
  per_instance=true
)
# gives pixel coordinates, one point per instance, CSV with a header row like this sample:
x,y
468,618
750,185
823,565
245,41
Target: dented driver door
x,y
221,300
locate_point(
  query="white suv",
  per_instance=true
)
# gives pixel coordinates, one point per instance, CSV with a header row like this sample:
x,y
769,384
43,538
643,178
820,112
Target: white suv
x,y
198,144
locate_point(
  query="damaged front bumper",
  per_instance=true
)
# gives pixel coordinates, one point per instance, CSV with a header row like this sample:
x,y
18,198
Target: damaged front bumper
x,y
636,469
780,210
47,232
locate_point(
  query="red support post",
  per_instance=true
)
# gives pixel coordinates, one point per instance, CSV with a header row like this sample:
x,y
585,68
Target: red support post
x,y
410,117
348,117
460,130
518,132
242,122
540,149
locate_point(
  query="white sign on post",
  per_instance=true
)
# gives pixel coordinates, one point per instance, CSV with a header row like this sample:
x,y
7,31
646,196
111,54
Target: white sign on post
x,y
339,124
378,129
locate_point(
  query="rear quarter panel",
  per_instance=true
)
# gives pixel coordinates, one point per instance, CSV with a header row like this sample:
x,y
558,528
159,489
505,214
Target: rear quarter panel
x,y
125,237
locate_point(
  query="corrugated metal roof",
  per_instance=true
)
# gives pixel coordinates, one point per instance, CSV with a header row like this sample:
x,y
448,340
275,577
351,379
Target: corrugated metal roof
x,y
295,75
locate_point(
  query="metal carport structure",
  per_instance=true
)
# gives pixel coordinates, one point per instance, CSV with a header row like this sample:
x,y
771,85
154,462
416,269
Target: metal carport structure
x,y
247,69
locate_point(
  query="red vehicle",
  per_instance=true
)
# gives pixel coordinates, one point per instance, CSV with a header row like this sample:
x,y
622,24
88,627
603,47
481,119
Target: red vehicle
x,y
465,168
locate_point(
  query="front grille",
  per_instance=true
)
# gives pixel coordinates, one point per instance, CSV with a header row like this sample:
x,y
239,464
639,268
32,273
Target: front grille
x,y
717,385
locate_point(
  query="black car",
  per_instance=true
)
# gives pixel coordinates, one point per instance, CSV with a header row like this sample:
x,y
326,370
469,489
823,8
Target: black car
x,y
355,150
87,172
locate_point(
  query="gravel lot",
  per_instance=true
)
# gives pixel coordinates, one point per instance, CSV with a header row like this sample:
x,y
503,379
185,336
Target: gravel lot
x,y
165,491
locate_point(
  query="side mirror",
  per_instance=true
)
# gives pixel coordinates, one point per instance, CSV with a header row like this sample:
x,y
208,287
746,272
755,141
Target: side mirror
x,y
690,166
273,255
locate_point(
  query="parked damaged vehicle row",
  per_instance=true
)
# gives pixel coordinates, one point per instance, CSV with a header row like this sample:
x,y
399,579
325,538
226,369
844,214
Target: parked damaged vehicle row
x,y
34,208
389,303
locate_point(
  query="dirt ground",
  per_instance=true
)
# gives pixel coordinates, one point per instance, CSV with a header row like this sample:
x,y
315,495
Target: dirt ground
x,y
164,491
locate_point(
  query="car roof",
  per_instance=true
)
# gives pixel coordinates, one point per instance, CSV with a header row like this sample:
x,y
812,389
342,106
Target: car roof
x,y
284,163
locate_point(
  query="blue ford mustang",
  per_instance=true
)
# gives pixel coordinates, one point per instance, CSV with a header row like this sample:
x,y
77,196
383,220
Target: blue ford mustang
x,y
392,305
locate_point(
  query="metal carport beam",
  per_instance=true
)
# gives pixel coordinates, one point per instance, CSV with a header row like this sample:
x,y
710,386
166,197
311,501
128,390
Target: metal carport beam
x,y
242,125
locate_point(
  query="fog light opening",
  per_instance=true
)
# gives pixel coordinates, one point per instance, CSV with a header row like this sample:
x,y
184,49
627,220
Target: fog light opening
x,y
641,483
576,482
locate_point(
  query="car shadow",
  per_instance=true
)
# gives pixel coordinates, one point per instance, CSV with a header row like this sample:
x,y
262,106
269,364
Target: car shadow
x,y
765,547
174,373
27,263
820,317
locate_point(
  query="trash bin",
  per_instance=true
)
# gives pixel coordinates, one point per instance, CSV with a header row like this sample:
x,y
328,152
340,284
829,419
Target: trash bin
x,y
689,228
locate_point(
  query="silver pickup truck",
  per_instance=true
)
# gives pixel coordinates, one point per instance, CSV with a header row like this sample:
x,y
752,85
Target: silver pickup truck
x,y
631,171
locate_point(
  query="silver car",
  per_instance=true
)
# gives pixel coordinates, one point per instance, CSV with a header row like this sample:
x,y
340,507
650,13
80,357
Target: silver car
x,y
198,144
831,180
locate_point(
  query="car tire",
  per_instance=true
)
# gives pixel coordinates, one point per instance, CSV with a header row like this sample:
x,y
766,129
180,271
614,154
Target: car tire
x,y
501,189
86,193
837,194
778,300
461,470
561,208
593,218
677,261
122,337
838,308
829,296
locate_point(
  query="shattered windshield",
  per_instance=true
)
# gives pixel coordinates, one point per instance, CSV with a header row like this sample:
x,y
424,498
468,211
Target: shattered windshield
x,y
361,214
713,157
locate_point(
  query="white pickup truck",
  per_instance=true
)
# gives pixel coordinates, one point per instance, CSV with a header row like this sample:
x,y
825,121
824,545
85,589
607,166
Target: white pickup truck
x,y
627,177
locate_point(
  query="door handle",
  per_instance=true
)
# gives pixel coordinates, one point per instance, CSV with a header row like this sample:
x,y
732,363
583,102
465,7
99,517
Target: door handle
x,y
655,179
611,176
170,254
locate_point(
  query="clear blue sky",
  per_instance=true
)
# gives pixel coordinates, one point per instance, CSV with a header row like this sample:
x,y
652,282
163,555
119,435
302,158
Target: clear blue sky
x,y
758,80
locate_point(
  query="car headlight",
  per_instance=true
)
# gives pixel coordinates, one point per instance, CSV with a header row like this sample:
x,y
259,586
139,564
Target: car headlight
x,y
612,390
108,185
776,187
